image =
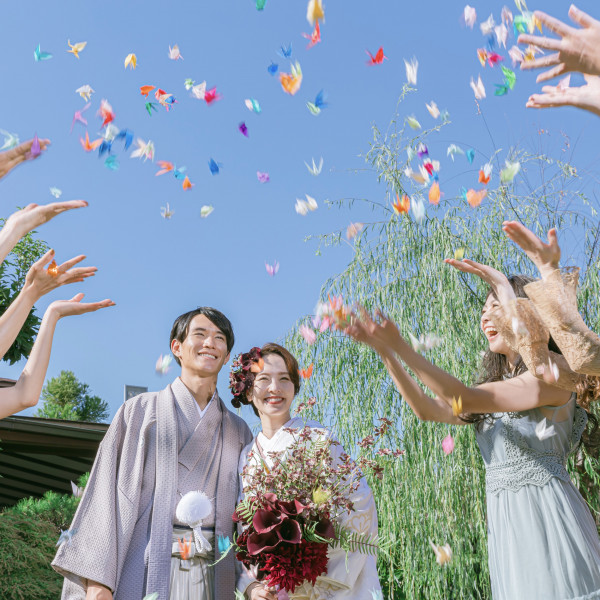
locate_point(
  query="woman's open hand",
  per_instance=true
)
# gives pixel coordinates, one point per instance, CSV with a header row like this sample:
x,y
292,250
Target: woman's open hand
x,y
41,280
25,220
545,257
578,49
494,278
15,156
74,306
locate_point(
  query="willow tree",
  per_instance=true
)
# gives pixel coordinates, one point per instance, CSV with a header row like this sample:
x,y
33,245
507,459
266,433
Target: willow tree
x,y
398,265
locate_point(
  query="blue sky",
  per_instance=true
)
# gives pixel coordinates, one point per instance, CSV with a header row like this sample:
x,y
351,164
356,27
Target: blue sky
x,y
156,269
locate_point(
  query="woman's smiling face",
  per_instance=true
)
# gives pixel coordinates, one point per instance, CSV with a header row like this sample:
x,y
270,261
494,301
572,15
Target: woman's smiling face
x,y
495,340
273,391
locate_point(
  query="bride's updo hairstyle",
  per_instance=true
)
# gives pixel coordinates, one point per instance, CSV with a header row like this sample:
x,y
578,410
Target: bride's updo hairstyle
x,y
246,366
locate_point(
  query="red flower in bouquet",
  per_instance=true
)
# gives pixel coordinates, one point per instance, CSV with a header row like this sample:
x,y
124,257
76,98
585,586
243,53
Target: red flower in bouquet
x,y
292,565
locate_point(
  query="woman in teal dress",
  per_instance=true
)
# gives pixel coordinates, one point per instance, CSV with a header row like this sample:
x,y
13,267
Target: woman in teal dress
x,y
542,539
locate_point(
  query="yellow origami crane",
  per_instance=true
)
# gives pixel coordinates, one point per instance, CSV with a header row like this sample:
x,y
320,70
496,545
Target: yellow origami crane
x,y
131,61
457,404
76,48
315,11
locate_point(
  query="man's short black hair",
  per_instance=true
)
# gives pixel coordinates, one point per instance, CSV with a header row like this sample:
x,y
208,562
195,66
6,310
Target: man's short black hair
x,y
181,326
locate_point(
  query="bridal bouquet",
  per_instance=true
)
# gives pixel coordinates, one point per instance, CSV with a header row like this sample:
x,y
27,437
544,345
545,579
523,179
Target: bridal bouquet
x,y
289,511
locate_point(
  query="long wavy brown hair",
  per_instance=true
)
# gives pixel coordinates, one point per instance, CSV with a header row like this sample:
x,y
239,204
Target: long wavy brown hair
x,y
495,367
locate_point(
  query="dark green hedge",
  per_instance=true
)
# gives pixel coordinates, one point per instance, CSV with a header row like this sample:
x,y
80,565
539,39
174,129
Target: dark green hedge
x,y
28,535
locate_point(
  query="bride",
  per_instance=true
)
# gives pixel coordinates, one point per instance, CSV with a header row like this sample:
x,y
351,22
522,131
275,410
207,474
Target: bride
x,y
270,387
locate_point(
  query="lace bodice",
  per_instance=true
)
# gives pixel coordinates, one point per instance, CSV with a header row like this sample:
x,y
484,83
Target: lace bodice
x,y
515,455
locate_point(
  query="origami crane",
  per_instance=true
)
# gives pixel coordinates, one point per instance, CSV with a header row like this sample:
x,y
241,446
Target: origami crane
x,y
85,91
144,149
76,48
131,61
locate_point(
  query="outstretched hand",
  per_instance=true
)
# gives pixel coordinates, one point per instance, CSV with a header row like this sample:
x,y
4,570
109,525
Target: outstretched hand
x,y
15,156
40,280
380,333
74,306
494,278
577,50
545,257
586,96
33,215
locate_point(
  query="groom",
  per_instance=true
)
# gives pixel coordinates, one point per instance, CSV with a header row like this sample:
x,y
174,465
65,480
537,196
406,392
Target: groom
x,y
160,446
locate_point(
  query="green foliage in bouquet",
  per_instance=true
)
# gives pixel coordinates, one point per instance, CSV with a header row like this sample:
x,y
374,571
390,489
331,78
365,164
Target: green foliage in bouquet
x,y
397,265
28,535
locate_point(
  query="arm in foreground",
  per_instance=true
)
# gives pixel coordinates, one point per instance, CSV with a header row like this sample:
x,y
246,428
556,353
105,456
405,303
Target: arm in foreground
x,y
555,300
38,282
26,392
520,393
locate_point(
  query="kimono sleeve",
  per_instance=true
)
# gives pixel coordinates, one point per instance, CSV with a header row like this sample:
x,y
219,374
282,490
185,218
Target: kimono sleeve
x,y
343,571
93,551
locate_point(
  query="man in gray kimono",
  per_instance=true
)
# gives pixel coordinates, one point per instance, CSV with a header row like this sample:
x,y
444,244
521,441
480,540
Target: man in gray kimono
x,y
160,446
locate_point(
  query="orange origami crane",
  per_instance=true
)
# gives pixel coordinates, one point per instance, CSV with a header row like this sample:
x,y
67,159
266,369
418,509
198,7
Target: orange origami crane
x,y
187,184
401,206
474,198
87,145
53,269
306,373
290,82
434,193
185,548
146,89
165,167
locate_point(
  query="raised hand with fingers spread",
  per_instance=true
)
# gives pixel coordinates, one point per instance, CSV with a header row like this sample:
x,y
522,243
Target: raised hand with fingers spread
x,y
15,156
27,219
27,390
545,257
586,97
578,49
494,278
39,281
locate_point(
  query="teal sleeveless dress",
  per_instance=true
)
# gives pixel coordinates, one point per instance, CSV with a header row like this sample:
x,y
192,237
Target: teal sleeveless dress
x,y
542,539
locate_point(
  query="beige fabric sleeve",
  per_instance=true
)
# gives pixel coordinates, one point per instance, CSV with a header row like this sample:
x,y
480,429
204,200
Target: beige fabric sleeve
x,y
555,299
525,333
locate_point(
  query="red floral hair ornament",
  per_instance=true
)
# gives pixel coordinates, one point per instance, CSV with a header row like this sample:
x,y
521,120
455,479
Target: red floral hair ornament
x,y
241,378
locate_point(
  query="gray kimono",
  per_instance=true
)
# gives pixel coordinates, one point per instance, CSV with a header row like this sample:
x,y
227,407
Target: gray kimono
x,y
123,526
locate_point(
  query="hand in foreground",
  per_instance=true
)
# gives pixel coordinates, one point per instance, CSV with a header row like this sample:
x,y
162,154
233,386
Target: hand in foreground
x,y
259,592
577,50
586,96
495,279
74,306
41,281
32,216
15,156
545,257
380,333
95,591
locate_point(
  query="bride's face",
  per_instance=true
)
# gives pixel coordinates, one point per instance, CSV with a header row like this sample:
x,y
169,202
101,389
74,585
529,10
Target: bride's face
x,y
273,390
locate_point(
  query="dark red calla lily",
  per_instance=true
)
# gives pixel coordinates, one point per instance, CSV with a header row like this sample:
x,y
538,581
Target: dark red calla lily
x,y
289,531
266,520
325,529
262,542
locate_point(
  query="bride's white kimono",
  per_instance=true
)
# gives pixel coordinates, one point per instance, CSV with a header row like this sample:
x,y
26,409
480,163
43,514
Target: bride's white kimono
x,y
354,576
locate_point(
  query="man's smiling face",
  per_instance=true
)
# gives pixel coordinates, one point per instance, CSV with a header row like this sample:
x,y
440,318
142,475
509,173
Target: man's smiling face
x,y
203,352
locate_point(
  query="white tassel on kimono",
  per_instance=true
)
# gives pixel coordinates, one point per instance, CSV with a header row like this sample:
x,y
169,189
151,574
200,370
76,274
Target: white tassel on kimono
x,y
191,510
